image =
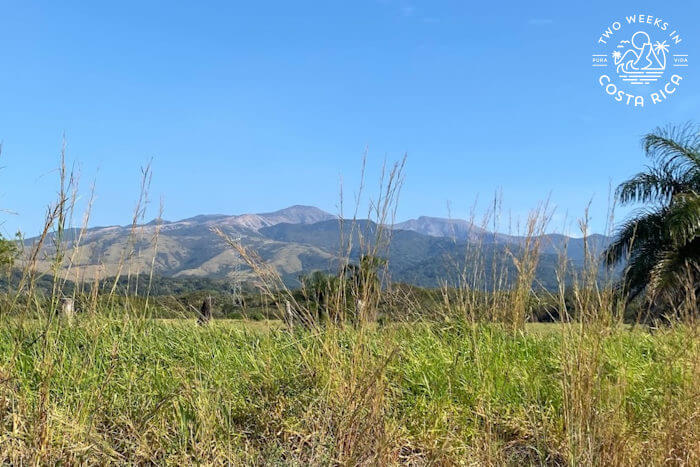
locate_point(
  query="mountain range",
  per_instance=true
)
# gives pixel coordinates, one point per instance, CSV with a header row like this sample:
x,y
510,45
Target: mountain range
x,y
298,240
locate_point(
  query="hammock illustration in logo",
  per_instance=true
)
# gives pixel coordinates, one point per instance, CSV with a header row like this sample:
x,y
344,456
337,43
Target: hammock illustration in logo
x,y
637,61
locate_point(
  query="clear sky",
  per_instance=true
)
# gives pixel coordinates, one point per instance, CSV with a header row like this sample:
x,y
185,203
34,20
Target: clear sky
x,y
254,106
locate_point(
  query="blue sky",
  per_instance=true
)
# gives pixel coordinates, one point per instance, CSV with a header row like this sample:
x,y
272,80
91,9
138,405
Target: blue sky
x,y
254,106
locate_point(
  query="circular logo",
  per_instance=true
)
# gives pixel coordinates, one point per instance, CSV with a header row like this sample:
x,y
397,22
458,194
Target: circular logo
x,y
639,60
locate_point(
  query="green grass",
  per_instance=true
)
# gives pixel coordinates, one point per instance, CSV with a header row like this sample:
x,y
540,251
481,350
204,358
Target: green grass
x,y
168,391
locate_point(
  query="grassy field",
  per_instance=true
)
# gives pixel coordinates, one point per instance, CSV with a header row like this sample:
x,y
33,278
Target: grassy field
x,y
167,391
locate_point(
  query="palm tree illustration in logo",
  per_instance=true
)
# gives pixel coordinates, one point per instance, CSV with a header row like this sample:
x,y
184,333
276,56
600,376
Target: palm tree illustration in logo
x,y
638,61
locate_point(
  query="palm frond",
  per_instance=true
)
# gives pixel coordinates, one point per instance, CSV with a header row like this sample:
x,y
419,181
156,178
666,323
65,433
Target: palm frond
x,y
638,270
640,230
673,267
674,144
652,186
683,219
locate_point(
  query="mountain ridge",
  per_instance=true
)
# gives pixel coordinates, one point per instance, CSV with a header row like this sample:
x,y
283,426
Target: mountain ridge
x,y
294,240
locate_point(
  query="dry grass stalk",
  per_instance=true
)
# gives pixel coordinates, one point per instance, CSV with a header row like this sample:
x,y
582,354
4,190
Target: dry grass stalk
x,y
139,213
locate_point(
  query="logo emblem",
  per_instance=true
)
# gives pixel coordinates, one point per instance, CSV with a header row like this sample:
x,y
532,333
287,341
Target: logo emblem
x,y
639,60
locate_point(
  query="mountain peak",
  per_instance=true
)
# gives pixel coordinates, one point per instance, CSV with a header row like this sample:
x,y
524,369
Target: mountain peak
x,y
441,227
298,214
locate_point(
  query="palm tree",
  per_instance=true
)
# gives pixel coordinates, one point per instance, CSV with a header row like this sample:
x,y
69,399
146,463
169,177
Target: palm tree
x,y
661,47
661,242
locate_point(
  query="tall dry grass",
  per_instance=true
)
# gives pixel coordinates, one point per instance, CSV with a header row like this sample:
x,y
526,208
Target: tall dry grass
x,y
477,385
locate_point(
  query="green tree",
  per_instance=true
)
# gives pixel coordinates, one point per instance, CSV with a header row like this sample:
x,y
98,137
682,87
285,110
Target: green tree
x,y
318,288
8,253
661,241
365,285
